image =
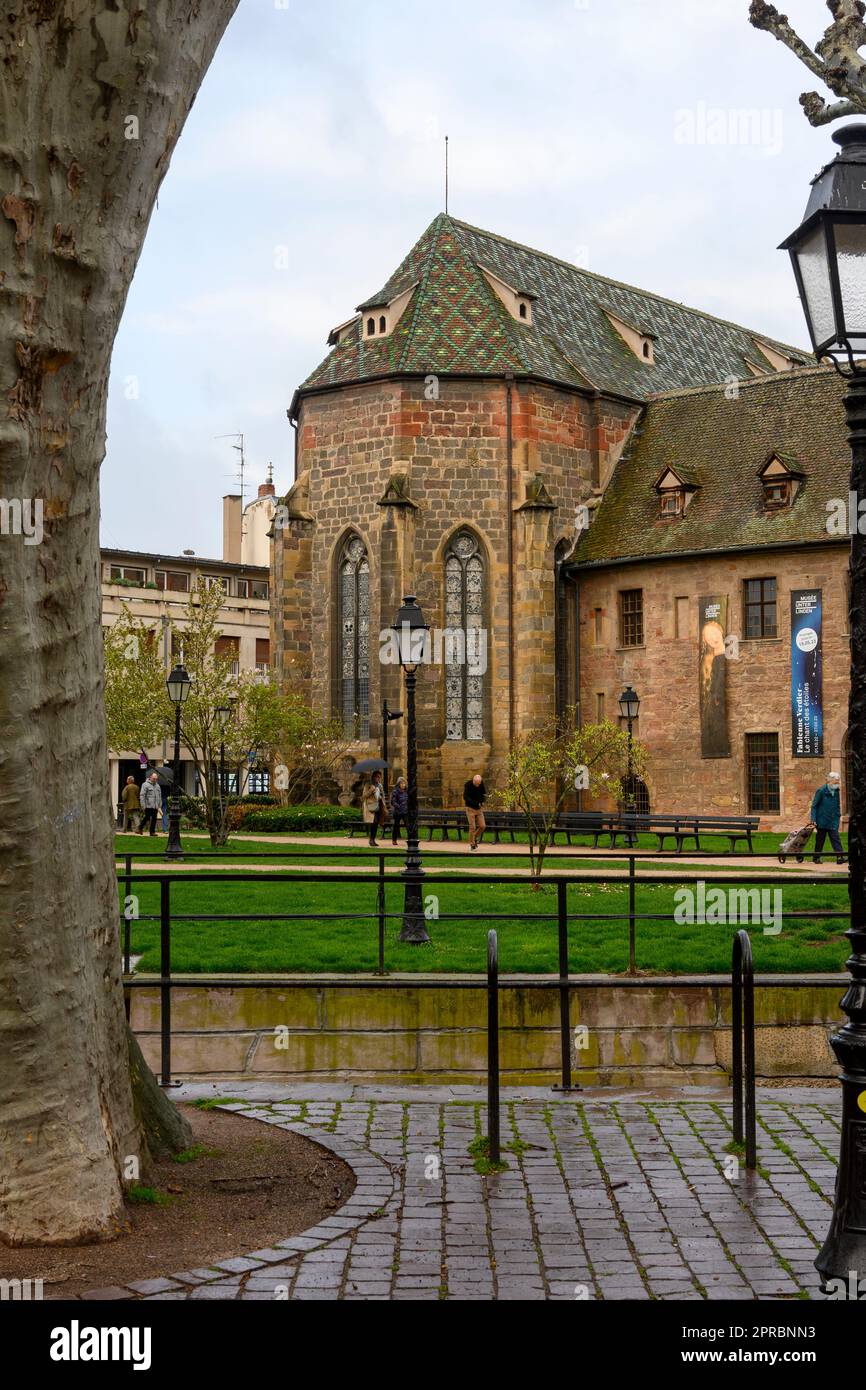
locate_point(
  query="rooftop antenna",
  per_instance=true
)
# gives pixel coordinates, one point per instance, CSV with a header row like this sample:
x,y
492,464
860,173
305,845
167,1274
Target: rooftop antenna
x,y
446,175
242,463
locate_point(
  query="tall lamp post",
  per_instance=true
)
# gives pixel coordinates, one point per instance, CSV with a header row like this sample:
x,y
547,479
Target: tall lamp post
x,y
178,685
411,631
828,253
629,708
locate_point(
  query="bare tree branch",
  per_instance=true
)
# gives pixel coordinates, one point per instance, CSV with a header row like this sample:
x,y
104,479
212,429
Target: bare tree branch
x,y
835,60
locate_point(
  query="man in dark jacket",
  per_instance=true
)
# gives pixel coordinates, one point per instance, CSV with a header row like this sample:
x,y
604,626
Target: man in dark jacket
x,y
826,813
399,808
474,796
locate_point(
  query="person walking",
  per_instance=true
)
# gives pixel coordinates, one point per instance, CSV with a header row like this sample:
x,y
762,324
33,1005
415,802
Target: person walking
x,y
131,802
151,803
399,808
474,796
826,814
373,805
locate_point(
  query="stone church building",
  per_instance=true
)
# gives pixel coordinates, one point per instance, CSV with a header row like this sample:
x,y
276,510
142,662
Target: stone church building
x,y
564,469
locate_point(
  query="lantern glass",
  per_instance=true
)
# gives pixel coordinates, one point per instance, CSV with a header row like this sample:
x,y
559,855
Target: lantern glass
x,y
178,685
629,704
851,262
814,266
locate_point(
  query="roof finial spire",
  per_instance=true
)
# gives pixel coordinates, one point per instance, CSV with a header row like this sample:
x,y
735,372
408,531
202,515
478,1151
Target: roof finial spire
x,y
446,175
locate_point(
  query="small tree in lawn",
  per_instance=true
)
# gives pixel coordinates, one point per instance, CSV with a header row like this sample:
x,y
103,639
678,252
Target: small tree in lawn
x,y
544,768
310,748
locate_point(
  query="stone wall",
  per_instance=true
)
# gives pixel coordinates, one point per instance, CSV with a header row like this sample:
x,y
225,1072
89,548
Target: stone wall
x,y
653,1033
664,672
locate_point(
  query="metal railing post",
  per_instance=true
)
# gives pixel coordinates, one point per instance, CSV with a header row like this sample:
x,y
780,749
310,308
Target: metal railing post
x,y
165,978
632,945
380,908
493,1046
564,1000
743,1050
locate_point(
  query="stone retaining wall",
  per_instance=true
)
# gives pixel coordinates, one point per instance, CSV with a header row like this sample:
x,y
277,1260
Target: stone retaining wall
x,y
653,1032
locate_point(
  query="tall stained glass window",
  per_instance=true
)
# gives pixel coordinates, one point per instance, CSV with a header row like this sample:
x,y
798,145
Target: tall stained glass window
x,y
466,650
354,602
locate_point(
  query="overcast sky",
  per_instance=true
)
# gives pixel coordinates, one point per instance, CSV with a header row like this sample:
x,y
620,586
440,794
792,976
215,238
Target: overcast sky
x,y
656,141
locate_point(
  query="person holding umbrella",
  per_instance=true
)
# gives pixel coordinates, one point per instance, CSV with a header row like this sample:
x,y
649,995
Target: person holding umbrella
x,y
373,804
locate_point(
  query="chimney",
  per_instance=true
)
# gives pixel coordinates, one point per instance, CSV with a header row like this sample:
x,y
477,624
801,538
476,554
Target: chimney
x,y
267,489
232,528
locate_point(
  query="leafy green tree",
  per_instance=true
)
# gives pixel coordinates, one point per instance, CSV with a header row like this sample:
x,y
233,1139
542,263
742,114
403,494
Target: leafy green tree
x,y
546,767
264,721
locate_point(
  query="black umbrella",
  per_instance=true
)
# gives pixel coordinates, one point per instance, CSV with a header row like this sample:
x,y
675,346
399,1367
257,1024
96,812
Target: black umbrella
x,y
371,765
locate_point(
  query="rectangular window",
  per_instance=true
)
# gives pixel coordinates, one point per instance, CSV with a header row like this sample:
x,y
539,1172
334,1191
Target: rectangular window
x,y
681,618
599,626
263,654
214,581
260,588
762,772
230,647
243,588
172,581
128,573
759,608
599,707
259,783
631,618
177,647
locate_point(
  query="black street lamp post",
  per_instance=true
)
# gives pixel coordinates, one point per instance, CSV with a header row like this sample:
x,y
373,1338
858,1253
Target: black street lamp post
x,y
411,633
828,252
629,708
178,685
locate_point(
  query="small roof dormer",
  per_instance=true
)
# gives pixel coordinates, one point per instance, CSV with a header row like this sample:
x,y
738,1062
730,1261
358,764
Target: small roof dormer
x,y
518,302
379,317
675,490
640,340
342,330
778,360
781,477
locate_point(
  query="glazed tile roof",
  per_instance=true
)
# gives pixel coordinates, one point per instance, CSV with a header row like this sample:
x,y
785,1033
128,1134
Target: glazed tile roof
x,y
721,444
455,323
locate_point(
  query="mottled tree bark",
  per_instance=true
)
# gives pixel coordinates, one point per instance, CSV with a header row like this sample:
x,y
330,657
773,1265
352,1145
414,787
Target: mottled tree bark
x,y
93,96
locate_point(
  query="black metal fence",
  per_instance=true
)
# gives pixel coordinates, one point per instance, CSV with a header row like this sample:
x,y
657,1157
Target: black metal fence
x,y
562,982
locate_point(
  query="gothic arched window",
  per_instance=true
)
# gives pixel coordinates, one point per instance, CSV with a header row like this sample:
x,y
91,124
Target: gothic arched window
x,y
466,646
354,633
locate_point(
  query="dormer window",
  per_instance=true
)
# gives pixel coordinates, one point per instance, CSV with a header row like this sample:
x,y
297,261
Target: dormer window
x,y
639,340
781,477
383,322
674,493
385,314
371,328
518,302
780,361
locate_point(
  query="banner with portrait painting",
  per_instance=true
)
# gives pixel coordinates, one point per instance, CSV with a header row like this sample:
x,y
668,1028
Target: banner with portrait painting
x,y
713,675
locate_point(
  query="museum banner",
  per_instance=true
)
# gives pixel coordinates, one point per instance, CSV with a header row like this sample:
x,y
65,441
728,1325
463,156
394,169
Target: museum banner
x,y
712,623
807,712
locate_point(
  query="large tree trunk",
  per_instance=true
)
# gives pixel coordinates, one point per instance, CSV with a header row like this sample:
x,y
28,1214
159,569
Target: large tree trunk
x,y
93,97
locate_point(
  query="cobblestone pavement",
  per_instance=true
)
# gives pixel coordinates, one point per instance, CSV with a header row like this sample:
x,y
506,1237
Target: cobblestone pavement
x,y
607,1195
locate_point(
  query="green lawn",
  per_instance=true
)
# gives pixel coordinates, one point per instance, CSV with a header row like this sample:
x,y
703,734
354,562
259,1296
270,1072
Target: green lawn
x,y
340,944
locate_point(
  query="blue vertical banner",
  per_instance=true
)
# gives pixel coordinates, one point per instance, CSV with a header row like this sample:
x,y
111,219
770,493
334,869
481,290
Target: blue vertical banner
x,y
807,713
